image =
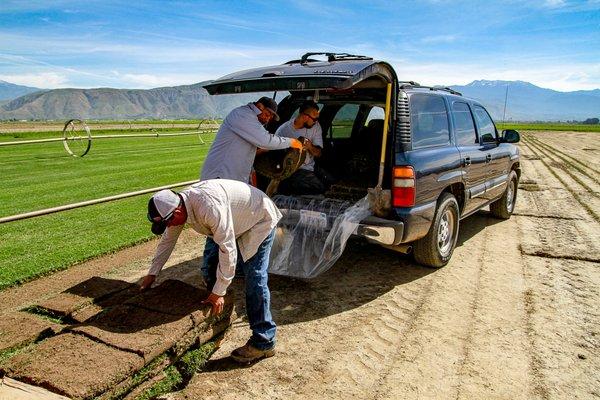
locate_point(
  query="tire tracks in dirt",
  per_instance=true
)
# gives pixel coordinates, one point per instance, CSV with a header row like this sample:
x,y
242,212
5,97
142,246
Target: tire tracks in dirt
x,y
561,302
576,194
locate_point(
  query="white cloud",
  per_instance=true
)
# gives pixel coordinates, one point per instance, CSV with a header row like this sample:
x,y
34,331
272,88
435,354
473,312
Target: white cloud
x,y
439,39
43,80
554,3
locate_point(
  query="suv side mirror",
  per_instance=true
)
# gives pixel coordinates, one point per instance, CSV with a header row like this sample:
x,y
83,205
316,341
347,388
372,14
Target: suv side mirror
x,y
510,136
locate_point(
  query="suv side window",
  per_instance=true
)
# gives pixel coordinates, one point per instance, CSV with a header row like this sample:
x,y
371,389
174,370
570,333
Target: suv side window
x,y
428,121
376,112
487,130
466,134
341,126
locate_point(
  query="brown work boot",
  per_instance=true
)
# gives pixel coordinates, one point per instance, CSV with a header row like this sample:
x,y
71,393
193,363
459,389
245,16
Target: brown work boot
x,y
248,353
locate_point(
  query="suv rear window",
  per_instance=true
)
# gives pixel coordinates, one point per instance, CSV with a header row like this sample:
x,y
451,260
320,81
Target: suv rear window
x,y
341,126
428,121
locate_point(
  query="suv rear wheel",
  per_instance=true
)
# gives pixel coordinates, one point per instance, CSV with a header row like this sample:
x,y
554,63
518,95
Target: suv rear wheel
x,y
505,205
436,248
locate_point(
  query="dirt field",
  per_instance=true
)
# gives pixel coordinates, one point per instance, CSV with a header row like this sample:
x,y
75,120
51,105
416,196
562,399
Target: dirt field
x,y
513,316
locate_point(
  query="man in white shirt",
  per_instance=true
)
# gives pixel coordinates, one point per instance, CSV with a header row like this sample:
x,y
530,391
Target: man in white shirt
x,y
240,219
308,179
231,155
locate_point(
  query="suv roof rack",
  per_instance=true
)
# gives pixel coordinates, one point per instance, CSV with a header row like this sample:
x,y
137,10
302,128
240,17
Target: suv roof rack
x,y
330,57
414,85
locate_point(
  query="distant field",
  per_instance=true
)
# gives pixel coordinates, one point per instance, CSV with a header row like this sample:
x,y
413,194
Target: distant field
x,y
42,175
96,122
48,126
30,135
549,127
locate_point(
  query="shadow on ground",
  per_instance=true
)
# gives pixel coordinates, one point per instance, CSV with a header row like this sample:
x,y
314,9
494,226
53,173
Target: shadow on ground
x,y
363,273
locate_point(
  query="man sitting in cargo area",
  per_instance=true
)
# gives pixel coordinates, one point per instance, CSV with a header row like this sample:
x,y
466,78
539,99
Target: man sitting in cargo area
x,y
308,179
241,221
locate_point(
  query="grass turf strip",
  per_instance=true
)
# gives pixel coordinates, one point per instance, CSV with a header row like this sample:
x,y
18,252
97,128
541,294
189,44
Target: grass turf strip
x,y
41,176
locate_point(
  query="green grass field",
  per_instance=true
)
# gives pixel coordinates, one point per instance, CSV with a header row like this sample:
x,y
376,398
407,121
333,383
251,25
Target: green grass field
x,y
39,176
548,127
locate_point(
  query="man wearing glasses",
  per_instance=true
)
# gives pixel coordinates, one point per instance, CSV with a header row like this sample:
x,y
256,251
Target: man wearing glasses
x,y
308,179
241,221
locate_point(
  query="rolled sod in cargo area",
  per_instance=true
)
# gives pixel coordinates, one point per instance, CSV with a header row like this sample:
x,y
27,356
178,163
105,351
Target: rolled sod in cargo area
x,y
40,176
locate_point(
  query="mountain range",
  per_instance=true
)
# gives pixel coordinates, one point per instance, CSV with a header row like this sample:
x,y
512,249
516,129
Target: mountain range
x,y
525,102
9,91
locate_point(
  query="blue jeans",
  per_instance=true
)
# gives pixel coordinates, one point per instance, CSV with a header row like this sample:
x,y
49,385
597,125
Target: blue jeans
x,y
258,297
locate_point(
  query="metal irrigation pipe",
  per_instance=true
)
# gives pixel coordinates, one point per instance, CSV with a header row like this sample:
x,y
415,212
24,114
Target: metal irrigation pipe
x,y
157,134
90,202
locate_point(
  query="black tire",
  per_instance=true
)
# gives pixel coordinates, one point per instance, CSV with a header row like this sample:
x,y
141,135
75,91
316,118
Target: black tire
x,y
505,205
436,248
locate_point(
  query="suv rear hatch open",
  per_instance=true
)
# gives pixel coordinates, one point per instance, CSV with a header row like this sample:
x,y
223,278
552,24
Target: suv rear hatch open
x,y
333,82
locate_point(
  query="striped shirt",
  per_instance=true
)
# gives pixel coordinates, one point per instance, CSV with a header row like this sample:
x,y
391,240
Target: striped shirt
x,y
229,212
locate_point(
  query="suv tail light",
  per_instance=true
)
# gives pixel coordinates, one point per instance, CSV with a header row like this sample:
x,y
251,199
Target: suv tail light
x,y
403,187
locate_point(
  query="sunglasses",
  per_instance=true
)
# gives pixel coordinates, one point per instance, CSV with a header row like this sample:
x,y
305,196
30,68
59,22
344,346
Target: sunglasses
x,y
311,117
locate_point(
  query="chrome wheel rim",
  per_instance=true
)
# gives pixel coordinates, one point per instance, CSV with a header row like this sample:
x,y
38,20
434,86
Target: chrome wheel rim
x,y
510,196
445,236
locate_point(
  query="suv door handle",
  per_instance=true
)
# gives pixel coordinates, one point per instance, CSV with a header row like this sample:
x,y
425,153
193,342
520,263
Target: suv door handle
x,y
466,161
488,158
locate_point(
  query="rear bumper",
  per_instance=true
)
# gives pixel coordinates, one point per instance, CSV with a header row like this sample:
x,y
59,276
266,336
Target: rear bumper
x,y
378,230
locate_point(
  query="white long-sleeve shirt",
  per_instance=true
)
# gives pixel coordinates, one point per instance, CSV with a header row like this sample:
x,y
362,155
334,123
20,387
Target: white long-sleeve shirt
x,y
228,211
232,153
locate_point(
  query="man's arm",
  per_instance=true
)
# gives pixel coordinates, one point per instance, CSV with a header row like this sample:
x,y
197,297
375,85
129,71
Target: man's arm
x,y
250,129
312,148
315,147
162,254
220,221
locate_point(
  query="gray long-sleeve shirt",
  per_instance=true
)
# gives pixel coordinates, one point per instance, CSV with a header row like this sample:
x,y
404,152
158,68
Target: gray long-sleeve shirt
x,y
232,153
229,212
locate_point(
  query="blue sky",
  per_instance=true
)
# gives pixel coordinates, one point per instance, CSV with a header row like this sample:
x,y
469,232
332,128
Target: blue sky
x,y
148,43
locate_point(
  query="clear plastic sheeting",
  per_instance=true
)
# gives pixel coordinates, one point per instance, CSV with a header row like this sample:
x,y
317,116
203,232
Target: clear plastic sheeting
x,y
312,234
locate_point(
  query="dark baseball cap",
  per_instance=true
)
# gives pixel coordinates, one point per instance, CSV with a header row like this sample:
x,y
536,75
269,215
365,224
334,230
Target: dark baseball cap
x,y
270,105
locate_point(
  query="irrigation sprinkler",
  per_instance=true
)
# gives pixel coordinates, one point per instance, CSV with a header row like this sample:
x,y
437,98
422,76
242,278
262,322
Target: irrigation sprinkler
x,y
77,137
75,144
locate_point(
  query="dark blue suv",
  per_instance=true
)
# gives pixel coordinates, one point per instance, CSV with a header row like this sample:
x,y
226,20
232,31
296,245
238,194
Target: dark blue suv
x,y
443,158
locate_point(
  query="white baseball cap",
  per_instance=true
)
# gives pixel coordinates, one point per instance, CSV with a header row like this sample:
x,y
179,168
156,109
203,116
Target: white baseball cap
x,y
161,208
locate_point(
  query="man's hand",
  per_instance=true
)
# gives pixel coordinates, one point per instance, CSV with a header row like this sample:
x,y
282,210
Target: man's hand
x,y
296,144
217,302
312,149
147,282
